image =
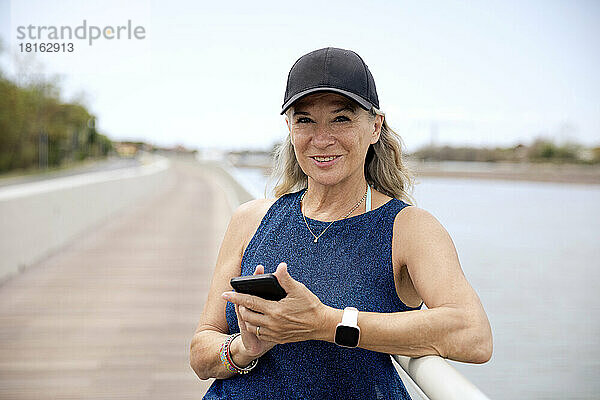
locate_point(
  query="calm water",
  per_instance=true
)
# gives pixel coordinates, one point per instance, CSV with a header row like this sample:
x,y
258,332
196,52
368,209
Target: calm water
x,y
532,252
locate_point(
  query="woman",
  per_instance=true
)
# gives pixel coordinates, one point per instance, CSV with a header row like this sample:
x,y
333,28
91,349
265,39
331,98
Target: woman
x,y
354,258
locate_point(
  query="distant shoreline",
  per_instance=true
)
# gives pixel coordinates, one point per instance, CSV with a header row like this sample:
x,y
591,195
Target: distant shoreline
x,y
566,173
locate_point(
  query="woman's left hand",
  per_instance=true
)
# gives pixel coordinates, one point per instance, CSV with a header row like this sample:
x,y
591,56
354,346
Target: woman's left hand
x,y
298,316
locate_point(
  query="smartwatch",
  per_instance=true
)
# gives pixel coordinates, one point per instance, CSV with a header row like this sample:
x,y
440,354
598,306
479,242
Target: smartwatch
x,y
347,332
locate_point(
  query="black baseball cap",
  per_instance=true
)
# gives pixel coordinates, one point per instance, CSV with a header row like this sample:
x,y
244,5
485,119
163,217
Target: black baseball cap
x,y
331,70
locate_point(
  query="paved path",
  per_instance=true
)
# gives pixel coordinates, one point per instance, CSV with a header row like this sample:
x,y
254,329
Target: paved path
x,y
111,316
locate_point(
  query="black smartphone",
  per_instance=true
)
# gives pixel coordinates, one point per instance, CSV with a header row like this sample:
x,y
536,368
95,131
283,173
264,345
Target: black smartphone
x,y
263,285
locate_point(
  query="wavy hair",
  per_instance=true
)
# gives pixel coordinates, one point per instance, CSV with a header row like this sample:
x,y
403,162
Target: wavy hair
x,y
384,170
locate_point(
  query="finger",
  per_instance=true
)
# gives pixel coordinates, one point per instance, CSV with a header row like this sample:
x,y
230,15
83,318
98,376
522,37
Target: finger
x,y
285,279
259,270
255,303
241,322
254,318
265,333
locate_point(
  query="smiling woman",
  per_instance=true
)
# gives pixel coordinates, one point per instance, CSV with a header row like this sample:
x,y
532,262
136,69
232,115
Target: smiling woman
x,y
354,257
384,168
327,132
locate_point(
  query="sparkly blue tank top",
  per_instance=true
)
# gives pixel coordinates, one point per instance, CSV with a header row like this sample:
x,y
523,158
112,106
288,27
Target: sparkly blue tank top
x,y
349,266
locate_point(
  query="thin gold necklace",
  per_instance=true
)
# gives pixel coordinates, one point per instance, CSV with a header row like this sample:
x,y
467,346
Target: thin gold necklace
x,y
331,223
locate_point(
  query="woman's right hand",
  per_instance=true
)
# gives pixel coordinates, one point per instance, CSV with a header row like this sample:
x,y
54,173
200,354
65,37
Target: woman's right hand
x,y
252,345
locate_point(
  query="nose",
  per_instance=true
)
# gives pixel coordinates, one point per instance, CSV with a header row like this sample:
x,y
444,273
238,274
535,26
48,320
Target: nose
x,y
322,137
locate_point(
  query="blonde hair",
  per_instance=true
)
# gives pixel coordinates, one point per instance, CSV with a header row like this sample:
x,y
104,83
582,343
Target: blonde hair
x,y
384,169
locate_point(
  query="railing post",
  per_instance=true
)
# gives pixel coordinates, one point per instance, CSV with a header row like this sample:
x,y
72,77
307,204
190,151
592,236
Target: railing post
x,y
439,380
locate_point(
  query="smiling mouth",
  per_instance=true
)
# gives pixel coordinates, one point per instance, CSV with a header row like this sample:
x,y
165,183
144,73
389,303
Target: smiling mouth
x,y
324,159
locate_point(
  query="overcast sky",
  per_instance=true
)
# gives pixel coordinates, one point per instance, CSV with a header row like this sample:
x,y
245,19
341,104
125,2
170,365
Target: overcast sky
x,y
213,74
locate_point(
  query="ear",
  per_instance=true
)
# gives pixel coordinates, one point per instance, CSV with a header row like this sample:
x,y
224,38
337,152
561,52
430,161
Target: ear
x,y
377,124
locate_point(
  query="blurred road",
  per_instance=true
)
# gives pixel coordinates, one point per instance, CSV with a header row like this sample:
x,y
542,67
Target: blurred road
x,y
111,315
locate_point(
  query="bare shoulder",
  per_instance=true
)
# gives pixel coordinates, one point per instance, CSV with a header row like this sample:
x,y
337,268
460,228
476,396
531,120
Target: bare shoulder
x,y
253,208
252,211
247,217
414,226
414,215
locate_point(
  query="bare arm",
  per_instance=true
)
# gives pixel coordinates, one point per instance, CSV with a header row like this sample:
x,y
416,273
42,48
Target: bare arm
x,y
204,355
212,329
454,326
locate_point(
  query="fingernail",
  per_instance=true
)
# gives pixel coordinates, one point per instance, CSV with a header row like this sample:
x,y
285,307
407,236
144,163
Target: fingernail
x,y
225,295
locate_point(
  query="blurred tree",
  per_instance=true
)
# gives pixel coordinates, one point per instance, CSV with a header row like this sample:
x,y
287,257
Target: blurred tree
x,y
543,149
38,129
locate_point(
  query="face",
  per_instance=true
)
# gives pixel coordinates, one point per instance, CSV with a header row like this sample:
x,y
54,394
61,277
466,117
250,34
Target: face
x,y
331,135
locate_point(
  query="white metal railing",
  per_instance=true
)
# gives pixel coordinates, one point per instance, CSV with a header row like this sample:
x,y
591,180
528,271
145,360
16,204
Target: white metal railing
x,y
431,377
434,378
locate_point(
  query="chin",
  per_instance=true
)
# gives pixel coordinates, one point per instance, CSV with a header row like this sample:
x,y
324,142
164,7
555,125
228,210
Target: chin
x,y
327,179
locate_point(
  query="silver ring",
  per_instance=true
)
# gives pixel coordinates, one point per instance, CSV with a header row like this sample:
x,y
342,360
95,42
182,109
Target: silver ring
x,y
258,331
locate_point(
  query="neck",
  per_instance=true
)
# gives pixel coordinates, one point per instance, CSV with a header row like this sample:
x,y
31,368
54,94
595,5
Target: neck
x,y
332,202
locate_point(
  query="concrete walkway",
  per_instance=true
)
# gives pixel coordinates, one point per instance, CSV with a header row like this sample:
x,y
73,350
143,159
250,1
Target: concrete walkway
x,y
111,315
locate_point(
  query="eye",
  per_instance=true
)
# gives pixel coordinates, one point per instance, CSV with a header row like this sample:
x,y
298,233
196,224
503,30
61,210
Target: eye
x,y
341,118
303,120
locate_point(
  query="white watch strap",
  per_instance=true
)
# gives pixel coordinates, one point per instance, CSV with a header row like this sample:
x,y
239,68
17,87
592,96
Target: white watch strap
x,y
350,316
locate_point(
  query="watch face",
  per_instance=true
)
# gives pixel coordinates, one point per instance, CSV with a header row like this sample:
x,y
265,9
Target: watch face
x,y
346,336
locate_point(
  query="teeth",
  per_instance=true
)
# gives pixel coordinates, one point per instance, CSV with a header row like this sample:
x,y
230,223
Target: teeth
x,y
323,159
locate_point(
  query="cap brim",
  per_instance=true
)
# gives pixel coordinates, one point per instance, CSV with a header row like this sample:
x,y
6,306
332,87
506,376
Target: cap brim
x,y
362,102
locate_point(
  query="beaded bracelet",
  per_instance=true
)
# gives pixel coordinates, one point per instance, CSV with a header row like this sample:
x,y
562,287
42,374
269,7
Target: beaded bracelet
x,y
228,362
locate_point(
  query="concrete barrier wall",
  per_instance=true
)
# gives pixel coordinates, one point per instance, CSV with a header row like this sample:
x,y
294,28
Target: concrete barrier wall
x,y
38,218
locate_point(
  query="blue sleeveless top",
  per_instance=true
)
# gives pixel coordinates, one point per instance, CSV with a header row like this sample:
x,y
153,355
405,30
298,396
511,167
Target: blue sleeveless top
x,y
349,266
